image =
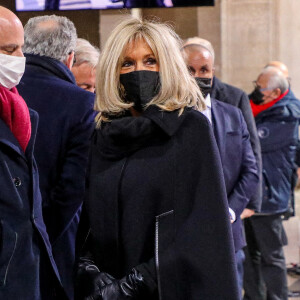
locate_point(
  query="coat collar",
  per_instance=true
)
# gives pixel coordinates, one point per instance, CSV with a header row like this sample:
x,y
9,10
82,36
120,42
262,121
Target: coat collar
x,y
288,107
9,139
169,122
123,136
48,66
219,125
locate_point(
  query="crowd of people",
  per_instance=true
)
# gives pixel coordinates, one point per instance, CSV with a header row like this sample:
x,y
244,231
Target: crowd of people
x,y
136,173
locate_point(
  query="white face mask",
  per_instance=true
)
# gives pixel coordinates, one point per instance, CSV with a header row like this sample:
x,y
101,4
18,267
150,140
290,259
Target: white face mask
x,y
11,70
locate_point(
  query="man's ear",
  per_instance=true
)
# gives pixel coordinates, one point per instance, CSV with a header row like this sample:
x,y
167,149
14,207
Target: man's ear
x,y
69,60
277,92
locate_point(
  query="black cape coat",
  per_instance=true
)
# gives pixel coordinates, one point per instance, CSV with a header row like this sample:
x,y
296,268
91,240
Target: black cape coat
x,y
157,201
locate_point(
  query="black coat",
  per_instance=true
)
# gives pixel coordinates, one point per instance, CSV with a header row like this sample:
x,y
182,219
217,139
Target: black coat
x,y
62,144
27,268
157,201
234,96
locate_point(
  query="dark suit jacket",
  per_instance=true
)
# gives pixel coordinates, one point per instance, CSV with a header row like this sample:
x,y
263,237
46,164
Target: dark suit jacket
x,y
238,161
62,144
234,96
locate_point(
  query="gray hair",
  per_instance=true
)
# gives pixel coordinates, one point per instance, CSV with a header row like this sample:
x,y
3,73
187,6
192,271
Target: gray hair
x,y
277,80
85,52
196,41
51,36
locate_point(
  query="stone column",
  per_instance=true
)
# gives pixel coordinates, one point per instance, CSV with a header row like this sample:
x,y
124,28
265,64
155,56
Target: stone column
x,y
248,39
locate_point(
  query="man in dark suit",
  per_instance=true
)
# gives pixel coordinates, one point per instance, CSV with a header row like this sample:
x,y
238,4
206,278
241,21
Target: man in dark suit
x,y
234,96
63,137
238,161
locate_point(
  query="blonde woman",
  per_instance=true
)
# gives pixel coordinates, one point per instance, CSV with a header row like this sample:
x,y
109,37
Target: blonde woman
x,y
158,224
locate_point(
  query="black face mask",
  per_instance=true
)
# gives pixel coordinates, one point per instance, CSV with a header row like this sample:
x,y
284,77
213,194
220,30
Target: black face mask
x,y
204,85
140,87
256,96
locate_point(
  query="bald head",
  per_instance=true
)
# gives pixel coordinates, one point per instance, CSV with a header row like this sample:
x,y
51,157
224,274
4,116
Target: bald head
x,y
280,66
11,33
199,60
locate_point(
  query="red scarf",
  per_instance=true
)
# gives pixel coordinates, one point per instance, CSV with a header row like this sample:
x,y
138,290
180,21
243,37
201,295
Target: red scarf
x,y
14,112
258,108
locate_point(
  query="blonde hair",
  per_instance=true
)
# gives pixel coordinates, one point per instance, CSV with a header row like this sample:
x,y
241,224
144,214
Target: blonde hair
x,y
178,88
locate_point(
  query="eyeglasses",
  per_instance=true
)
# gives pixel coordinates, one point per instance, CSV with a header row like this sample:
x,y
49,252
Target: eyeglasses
x,y
256,86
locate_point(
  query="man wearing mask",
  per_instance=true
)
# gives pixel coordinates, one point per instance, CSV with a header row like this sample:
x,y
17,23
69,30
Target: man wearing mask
x,y
27,269
285,71
233,142
229,94
277,114
66,118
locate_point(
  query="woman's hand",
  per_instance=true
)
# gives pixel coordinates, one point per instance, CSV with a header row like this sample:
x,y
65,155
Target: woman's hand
x,y
131,286
90,280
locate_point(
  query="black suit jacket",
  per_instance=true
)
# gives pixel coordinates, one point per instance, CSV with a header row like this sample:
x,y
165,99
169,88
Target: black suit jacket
x,y
238,161
234,96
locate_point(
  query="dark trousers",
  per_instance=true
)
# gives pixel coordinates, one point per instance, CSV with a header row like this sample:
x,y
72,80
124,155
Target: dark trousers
x,y
265,268
239,259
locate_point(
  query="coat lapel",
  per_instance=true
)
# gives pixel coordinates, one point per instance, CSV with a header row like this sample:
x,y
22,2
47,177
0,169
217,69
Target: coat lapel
x,y
218,90
7,138
219,125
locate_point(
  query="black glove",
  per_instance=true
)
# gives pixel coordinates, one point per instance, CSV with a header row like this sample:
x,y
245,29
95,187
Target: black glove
x,y
90,280
131,286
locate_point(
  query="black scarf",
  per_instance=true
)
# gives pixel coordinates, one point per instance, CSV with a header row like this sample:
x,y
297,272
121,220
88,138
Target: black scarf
x,y
123,136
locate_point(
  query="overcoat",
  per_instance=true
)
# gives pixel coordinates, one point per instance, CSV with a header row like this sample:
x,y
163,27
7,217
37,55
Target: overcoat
x,y
27,268
65,126
235,96
277,129
157,201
